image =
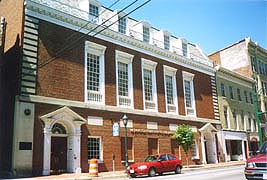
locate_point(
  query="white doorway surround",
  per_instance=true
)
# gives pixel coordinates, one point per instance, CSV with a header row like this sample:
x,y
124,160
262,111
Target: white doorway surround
x,y
208,143
71,123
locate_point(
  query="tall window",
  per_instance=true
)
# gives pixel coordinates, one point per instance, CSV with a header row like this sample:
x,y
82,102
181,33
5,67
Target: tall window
x,y
184,48
254,64
226,117
251,97
95,72
222,90
166,42
239,94
149,84
246,96
122,24
234,119
170,89
124,79
189,93
231,92
94,148
146,34
249,121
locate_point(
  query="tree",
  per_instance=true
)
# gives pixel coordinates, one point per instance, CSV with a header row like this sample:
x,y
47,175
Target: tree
x,y
185,138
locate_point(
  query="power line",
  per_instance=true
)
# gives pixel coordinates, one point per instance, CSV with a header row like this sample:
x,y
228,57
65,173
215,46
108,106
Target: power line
x,y
68,47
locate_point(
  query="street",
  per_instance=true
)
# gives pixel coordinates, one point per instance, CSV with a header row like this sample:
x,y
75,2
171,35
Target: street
x,y
222,173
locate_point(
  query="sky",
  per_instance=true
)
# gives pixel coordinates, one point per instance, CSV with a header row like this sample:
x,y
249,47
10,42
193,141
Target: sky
x,y
211,24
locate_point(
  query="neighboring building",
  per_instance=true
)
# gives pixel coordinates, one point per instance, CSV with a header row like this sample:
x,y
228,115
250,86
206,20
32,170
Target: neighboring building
x,y
249,59
78,78
237,114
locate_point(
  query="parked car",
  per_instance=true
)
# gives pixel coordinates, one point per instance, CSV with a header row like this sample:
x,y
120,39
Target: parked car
x,y
256,166
155,164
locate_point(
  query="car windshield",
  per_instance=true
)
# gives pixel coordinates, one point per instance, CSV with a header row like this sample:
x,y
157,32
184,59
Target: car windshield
x,y
264,148
150,159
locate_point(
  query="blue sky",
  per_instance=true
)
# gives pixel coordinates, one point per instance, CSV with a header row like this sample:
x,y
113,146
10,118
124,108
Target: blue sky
x,y
212,24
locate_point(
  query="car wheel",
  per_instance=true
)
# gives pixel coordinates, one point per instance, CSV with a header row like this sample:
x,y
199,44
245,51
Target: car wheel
x,y
178,170
152,172
133,175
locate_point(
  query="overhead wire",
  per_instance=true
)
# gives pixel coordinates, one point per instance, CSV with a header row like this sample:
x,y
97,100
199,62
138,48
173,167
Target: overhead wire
x,y
68,47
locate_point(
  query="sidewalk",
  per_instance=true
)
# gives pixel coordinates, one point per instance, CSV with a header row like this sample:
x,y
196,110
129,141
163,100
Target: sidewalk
x,y
121,174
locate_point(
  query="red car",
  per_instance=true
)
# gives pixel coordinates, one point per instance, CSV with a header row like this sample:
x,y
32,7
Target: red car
x,y
256,166
154,164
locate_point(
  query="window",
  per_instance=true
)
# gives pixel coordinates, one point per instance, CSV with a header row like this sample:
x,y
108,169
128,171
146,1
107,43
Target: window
x,y
149,84
58,129
189,97
124,79
94,82
146,34
195,154
249,120
251,97
122,24
130,148
93,10
226,117
254,63
166,42
246,96
184,48
234,119
239,94
170,89
94,148
231,92
222,90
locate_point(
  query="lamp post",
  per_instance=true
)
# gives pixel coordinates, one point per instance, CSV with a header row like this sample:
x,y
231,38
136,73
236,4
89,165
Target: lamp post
x,y
257,114
125,121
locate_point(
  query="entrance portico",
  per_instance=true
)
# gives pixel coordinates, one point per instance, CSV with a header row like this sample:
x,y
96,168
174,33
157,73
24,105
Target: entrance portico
x,y
63,123
208,143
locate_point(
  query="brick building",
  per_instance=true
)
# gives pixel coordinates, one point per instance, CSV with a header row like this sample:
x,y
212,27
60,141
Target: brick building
x,y
81,67
249,59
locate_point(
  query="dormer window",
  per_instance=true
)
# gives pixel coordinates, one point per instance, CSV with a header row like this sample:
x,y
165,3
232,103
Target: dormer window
x,y
184,48
94,9
122,24
166,42
146,34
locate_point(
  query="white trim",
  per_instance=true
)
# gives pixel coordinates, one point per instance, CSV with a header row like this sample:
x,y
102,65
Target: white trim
x,y
127,59
150,65
189,77
128,42
171,72
98,50
93,106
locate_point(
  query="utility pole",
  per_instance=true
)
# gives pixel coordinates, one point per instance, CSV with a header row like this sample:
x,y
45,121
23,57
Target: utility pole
x,y
257,116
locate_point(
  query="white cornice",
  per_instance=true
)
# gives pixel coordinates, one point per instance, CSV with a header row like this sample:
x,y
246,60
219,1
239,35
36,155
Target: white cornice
x,y
85,105
76,21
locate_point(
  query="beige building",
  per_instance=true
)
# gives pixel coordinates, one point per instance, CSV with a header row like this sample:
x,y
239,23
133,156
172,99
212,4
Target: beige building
x,y
249,59
236,109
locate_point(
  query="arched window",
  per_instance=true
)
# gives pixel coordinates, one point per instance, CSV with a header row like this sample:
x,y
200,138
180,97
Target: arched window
x,y
58,129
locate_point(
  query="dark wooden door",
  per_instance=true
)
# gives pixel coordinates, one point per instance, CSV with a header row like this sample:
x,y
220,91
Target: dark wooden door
x,y
58,155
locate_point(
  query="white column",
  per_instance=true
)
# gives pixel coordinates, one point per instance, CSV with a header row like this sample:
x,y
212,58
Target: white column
x,y
243,150
47,151
214,151
204,159
77,149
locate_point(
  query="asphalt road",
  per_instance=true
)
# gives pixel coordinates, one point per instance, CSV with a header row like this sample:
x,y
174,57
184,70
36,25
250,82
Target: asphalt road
x,y
222,173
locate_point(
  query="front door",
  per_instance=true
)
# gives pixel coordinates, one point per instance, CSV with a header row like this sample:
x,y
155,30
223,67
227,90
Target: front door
x,y
58,155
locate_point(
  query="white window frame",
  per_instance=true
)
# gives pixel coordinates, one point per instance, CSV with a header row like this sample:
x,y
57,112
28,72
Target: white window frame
x,y
150,65
98,50
120,15
169,71
196,150
126,59
189,77
92,17
149,33
101,147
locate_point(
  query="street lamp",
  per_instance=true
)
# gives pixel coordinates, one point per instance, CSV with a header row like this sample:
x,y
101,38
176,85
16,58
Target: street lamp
x,y
125,121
